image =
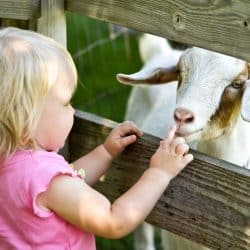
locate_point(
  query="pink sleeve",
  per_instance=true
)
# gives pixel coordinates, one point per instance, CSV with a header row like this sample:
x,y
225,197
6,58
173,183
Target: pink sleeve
x,y
41,177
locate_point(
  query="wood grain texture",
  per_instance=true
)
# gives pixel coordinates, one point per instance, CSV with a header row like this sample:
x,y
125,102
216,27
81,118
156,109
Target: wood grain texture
x,y
208,202
23,24
21,9
219,25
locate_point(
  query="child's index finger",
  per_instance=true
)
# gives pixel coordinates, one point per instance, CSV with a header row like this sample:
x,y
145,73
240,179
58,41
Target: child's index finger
x,y
171,133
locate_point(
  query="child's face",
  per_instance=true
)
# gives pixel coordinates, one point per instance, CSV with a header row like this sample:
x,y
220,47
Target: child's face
x,y
56,119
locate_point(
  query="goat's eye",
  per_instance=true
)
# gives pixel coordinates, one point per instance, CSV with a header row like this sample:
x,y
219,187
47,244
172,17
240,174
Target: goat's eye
x,y
237,84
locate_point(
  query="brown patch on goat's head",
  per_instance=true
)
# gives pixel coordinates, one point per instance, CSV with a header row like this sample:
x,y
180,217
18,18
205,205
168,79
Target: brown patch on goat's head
x,y
163,75
179,75
228,112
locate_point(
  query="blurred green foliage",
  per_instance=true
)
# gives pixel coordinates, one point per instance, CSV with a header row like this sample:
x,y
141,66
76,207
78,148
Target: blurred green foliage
x,y
99,58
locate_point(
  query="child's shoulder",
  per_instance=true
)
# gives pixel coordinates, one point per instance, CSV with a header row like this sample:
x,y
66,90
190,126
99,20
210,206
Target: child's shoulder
x,y
36,161
29,166
35,156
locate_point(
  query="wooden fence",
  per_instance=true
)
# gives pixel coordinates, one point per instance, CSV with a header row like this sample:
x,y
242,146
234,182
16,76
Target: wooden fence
x,y
209,202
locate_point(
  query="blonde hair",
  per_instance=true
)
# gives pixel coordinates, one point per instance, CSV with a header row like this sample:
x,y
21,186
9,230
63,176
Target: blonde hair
x,y
30,65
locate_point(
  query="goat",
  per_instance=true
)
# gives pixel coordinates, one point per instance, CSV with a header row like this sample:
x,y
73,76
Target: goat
x,y
207,96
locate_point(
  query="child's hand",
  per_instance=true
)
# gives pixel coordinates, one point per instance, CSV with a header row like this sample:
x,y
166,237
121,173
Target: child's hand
x,y
171,156
120,137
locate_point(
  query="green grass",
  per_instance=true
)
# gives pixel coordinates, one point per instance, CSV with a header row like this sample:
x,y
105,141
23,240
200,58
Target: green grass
x,y
123,244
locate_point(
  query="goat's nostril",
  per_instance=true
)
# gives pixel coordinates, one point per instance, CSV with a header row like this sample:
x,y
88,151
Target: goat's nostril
x,y
183,116
189,119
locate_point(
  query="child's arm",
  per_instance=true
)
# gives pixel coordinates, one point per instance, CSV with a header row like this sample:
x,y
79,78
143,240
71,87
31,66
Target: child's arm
x,y
85,208
96,163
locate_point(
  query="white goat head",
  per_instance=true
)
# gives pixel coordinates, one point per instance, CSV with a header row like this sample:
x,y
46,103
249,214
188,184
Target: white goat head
x,y
209,93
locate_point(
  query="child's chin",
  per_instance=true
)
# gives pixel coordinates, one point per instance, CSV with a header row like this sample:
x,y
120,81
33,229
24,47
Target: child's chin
x,y
53,149
57,150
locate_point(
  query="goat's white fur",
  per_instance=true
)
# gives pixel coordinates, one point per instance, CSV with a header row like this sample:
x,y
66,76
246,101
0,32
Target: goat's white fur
x,y
205,76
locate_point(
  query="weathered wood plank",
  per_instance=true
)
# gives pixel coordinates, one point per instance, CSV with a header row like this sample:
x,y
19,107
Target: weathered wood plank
x,y
209,202
220,25
21,9
23,24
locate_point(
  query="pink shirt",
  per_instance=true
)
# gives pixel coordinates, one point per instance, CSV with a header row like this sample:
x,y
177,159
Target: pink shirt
x,y
25,226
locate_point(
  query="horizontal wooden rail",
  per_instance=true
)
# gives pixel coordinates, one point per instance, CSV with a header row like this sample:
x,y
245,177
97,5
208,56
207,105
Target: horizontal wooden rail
x,y
21,9
209,202
222,26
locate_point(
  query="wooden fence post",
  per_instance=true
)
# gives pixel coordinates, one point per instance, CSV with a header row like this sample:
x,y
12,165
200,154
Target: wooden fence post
x,y
52,22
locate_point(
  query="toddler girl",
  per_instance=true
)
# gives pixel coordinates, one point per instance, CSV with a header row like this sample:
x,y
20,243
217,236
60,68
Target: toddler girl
x,y
44,203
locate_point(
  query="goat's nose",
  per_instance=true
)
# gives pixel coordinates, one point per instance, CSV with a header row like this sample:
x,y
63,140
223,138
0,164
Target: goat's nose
x,y
182,115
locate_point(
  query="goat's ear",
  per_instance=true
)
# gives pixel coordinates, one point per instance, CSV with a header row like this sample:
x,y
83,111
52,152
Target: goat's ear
x,y
245,105
158,76
158,70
